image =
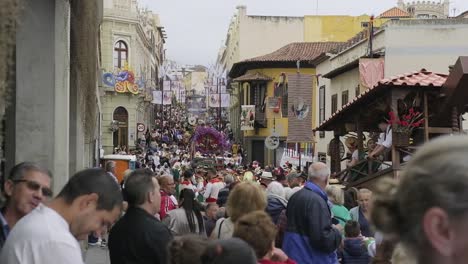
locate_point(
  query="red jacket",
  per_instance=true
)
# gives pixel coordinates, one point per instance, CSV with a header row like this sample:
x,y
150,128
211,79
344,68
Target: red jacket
x,y
166,205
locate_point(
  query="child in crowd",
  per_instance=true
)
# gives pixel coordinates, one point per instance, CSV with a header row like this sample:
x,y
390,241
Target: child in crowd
x,y
354,247
258,230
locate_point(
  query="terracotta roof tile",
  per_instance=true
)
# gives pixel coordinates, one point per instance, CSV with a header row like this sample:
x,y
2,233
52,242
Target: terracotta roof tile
x,y
421,78
253,77
304,51
395,12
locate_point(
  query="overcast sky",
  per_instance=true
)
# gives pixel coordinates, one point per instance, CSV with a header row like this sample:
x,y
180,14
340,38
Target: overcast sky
x,y
197,28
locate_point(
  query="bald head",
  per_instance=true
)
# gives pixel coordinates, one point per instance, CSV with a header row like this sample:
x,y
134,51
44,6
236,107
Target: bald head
x,y
167,184
319,172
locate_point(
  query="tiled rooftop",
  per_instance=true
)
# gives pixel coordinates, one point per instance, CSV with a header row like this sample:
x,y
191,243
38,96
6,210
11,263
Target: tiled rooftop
x,y
395,12
421,78
252,77
304,51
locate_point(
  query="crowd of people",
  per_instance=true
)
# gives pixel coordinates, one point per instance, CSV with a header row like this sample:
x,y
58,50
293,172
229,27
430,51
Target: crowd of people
x,y
221,212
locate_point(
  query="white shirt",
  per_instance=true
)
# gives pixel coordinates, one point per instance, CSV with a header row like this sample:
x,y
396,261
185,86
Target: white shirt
x,y
41,237
385,139
212,189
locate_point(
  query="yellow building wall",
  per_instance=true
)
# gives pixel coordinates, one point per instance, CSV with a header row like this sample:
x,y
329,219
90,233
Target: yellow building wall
x,y
281,124
335,28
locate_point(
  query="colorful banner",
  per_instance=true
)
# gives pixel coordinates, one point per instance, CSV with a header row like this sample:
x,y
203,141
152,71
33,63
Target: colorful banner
x,y
300,88
371,71
247,117
123,80
214,100
160,98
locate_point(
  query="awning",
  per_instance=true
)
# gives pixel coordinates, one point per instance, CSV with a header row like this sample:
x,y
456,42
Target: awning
x,y
248,77
416,80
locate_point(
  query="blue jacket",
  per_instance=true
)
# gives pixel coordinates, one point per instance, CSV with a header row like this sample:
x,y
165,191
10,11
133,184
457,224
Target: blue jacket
x,y
310,237
354,252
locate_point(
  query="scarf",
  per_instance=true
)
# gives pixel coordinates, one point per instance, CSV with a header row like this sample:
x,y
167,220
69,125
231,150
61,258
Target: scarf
x,y
282,200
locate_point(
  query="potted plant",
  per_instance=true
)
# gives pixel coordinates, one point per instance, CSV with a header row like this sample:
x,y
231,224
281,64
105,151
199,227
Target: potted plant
x,y
404,125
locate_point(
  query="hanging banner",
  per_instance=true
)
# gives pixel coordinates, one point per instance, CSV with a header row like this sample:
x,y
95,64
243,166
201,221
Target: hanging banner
x,y
274,107
371,71
247,117
300,88
214,100
159,99
167,85
195,104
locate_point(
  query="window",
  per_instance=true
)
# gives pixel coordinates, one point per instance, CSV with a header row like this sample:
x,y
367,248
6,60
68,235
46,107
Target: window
x,y
423,16
322,108
364,24
322,157
334,103
358,90
120,54
344,97
257,95
284,99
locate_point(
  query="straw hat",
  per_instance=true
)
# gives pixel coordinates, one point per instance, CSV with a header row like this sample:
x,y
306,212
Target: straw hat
x,y
351,142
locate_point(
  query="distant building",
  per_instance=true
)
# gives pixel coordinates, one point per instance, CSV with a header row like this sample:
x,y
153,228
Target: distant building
x,y
132,42
426,9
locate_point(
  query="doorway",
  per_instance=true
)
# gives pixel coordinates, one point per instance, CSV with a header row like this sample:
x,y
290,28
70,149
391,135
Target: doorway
x,y
120,137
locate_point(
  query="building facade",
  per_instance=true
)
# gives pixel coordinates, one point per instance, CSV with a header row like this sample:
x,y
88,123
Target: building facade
x,y
426,9
399,47
132,42
53,108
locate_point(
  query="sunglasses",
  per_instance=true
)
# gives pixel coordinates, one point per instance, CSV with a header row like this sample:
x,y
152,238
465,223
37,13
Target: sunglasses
x,y
34,186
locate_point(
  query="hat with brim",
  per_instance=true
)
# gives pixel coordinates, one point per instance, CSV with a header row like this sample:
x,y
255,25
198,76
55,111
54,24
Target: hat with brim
x,y
351,142
266,175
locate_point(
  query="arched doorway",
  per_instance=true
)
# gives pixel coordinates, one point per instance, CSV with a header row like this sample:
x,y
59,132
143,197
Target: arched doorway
x,y
121,134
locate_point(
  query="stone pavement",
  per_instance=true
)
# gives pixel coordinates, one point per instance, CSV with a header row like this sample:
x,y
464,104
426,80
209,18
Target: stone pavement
x,y
96,255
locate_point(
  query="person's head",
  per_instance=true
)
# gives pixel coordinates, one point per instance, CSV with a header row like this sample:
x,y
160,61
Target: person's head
x,y
187,249
258,230
428,210
27,185
110,166
211,210
166,182
93,202
293,179
142,190
190,204
211,173
319,174
351,197
352,229
228,251
228,179
276,188
364,199
188,174
351,143
383,124
335,194
246,197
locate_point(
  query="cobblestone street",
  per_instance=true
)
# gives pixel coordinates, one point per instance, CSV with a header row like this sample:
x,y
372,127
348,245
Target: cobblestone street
x,y
97,255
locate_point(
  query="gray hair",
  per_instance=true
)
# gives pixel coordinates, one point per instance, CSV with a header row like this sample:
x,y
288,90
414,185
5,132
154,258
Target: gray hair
x,y
18,172
110,165
318,170
436,176
228,179
276,188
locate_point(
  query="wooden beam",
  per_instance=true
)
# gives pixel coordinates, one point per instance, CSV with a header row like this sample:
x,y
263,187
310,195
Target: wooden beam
x,y
426,119
440,130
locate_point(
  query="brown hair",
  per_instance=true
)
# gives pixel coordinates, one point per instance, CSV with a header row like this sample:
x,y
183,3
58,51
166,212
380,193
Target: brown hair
x,y
352,229
435,177
187,249
246,197
257,229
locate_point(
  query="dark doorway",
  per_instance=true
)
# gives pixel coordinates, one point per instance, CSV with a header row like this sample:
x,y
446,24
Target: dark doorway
x,y
258,151
121,134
